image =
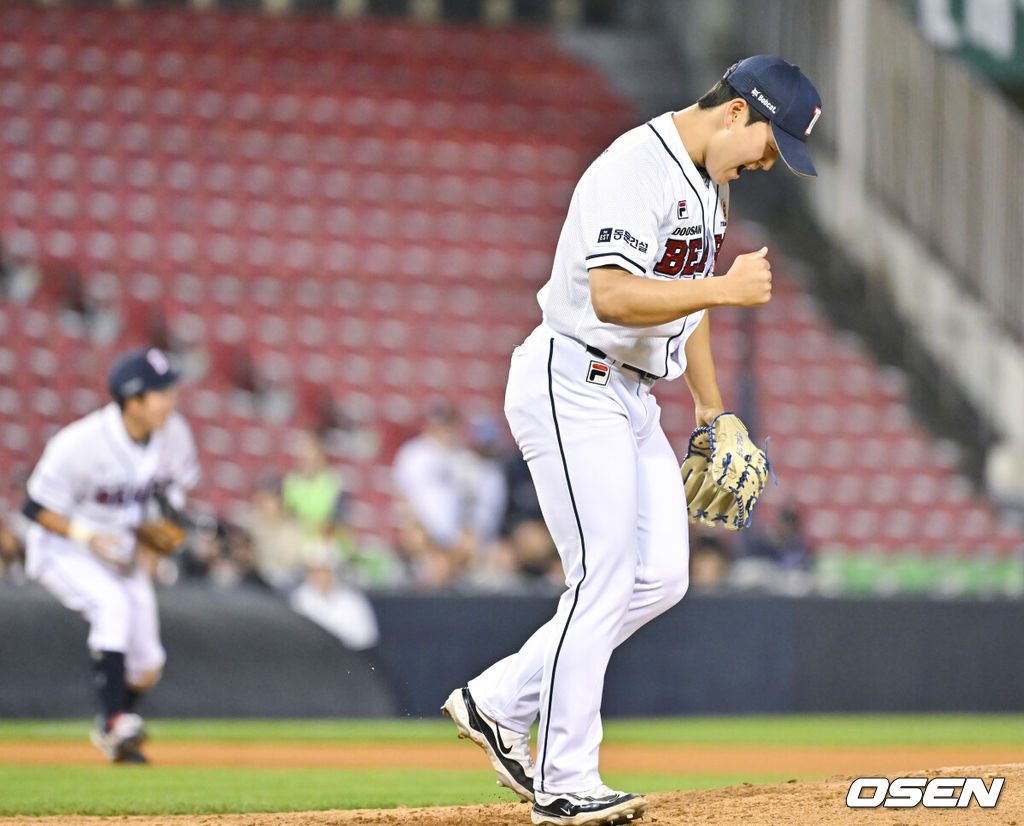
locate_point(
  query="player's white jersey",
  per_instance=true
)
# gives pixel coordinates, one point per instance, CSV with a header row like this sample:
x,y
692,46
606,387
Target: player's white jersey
x,y
92,471
642,205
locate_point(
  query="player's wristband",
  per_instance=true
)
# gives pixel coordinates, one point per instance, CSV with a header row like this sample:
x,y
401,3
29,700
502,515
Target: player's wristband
x,y
82,534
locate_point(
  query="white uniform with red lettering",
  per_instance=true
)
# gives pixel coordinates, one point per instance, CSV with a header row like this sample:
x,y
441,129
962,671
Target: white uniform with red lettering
x,y
92,472
588,425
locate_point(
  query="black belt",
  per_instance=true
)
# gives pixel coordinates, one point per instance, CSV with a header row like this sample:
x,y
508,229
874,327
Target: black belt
x,y
602,355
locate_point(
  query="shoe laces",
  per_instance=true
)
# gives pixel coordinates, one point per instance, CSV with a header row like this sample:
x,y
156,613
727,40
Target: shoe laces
x,y
598,792
590,795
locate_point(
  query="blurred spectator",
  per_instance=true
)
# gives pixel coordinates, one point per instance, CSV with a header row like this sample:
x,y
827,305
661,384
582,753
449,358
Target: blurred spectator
x,y
350,428
314,493
774,559
200,554
222,553
108,317
1004,475
254,389
278,538
73,298
14,527
86,310
484,476
158,332
464,518
241,370
319,409
185,337
19,279
436,537
513,546
12,547
782,542
522,505
239,558
6,272
534,557
709,561
335,606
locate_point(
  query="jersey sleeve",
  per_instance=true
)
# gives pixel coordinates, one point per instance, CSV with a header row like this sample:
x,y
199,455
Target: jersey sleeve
x,y
56,482
619,206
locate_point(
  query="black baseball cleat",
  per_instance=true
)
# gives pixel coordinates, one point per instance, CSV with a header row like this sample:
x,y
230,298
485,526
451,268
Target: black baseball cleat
x,y
508,750
131,755
121,738
597,806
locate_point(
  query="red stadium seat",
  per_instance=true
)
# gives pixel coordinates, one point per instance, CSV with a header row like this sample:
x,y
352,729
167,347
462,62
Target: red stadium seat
x,y
351,211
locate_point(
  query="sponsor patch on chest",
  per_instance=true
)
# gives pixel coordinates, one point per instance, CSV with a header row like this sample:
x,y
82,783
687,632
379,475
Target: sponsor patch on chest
x,y
597,373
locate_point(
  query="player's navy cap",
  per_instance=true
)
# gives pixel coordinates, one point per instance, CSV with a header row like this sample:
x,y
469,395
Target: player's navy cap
x,y
780,92
140,371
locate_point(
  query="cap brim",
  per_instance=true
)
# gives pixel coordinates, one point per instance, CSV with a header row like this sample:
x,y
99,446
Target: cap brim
x,y
794,153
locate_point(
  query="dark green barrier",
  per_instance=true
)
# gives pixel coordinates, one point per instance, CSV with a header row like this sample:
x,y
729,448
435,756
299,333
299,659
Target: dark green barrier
x,y
244,653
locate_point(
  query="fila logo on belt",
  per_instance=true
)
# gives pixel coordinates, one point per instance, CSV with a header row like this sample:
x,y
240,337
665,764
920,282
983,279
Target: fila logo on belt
x,y
598,373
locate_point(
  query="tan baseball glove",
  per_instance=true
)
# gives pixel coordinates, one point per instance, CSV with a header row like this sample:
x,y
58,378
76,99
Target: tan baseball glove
x,y
724,474
161,536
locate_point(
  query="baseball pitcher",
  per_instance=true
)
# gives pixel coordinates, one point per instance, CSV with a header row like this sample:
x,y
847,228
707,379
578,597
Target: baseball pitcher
x,y
626,307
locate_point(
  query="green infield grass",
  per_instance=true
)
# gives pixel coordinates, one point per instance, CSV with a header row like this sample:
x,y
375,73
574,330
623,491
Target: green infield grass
x,y
804,729
106,790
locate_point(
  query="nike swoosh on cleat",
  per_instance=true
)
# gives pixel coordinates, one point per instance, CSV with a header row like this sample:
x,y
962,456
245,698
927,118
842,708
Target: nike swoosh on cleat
x,y
506,750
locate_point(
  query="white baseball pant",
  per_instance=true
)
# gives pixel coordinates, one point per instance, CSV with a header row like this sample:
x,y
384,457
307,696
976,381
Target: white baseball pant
x,y
121,610
612,496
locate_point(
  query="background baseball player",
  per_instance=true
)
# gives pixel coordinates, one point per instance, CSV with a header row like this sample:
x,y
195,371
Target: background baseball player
x,y
92,496
625,306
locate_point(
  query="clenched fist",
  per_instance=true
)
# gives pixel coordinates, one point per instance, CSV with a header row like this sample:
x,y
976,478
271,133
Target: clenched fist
x,y
749,280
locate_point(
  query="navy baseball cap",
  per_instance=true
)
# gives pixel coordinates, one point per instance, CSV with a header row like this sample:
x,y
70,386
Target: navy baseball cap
x,y
780,92
140,371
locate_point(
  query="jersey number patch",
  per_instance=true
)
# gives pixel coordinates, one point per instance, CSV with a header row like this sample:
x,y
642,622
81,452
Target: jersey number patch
x,y
684,257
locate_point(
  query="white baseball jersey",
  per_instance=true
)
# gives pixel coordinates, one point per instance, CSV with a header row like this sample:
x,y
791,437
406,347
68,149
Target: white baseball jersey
x,y
643,206
93,472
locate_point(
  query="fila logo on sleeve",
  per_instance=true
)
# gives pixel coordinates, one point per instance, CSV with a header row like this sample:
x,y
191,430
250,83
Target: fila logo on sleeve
x,y
598,373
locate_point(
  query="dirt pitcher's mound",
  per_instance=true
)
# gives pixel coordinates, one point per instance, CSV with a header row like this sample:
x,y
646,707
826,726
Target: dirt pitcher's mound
x,y
805,804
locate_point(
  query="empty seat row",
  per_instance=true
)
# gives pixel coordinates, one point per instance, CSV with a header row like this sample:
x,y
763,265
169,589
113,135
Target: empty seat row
x,y
317,211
